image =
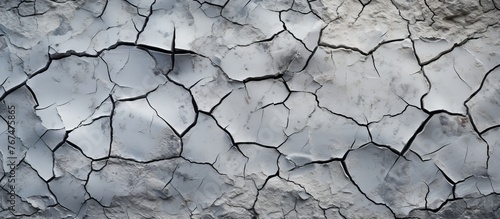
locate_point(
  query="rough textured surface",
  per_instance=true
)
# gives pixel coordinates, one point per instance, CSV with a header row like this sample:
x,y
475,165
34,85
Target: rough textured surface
x,y
249,109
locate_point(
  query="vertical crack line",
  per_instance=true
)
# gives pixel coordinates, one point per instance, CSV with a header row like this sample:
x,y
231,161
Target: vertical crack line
x,y
172,49
146,20
418,131
433,14
456,72
375,66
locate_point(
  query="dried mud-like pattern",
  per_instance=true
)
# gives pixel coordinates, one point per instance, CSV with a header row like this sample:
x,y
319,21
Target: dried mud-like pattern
x,y
249,109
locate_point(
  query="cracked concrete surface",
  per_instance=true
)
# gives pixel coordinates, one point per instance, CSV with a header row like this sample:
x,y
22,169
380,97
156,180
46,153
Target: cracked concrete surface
x,y
250,109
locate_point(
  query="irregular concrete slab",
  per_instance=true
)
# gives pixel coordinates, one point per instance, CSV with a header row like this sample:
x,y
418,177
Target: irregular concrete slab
x,y
139,134
387,90
453,145
400,183
205,141
174,104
